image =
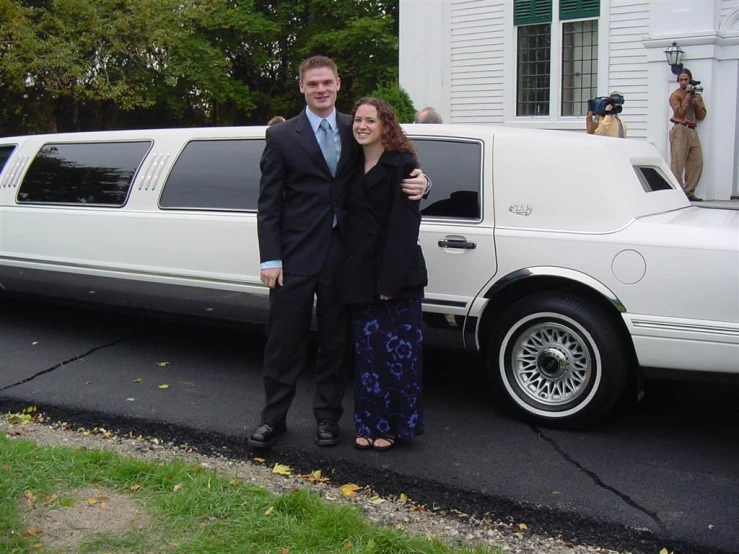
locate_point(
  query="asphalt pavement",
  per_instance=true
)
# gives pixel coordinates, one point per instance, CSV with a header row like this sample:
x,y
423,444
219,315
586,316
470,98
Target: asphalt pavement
x,y
663,473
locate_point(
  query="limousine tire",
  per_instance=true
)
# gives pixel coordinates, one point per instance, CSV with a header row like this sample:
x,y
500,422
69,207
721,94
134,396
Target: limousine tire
x,y
558,359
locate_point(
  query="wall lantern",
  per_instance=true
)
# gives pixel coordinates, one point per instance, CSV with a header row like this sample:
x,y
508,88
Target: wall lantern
x,y
674,55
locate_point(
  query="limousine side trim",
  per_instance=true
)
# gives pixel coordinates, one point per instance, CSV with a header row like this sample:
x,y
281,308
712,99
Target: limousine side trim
x,y
17,168
14,260
562,272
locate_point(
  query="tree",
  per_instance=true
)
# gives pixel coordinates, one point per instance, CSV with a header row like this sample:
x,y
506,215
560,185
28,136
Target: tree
x,y
72,65
399,99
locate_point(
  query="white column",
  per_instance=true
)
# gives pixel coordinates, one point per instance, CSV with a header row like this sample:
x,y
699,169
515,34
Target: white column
x,y
423,45
712,55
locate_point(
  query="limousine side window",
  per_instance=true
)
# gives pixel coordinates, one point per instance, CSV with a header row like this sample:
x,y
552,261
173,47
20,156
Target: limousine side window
x,y
215,175
5,152
89,174
651,179
455,168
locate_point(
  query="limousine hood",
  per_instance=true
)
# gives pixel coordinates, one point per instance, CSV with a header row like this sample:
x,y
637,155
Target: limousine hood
x,y
701,227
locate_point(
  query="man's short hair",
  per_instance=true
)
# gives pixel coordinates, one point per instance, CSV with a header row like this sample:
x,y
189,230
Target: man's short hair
x,y
275,120
428,115
315,62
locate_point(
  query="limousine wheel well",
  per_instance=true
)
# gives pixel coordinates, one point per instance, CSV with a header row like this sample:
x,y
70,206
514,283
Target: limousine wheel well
x,y
594,312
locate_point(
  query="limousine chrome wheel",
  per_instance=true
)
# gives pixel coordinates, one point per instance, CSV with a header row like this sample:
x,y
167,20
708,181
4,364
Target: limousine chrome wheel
x,y
559,359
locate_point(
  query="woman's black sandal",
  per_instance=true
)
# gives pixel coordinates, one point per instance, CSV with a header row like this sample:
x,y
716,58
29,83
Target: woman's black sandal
x,y
381,448
368,443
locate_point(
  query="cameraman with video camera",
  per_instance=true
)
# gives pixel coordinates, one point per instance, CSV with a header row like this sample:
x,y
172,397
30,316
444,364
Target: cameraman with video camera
x,y
602,118
686,153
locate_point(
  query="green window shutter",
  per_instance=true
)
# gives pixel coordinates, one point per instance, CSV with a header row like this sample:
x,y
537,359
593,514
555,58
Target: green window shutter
x,y
527,12
579,9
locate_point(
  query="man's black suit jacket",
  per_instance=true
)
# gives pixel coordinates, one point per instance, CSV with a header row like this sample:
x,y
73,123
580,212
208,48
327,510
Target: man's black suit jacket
x,y
298,196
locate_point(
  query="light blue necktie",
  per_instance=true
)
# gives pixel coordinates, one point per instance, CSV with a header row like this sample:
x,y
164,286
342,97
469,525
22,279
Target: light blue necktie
x,y
328,146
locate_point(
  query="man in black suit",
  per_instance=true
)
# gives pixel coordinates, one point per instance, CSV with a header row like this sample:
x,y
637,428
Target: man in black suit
x,y
307,163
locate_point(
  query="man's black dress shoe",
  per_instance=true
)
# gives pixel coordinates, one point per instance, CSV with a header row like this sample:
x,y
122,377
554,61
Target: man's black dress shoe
x,y
327,433
694,198
265,435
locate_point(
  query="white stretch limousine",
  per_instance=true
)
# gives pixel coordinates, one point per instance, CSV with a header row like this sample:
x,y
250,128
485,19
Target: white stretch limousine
x,y
573,263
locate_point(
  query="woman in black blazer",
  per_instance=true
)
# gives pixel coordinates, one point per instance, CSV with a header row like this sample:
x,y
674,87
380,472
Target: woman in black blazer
x,y
384,274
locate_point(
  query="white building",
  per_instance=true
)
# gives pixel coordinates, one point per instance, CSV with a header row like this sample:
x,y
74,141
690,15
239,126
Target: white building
x,y
534,63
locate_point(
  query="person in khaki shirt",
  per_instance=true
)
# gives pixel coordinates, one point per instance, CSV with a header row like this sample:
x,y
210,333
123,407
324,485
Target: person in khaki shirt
x,y
686,153
609,125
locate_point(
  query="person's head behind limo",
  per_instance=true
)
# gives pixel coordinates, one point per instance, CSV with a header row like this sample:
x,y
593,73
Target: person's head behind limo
x,y
320,83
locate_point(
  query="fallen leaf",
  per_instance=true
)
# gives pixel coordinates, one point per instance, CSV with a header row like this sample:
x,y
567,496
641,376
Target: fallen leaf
x,y
102,505
176,488
130,400
260,460
162,364
33,531
208,309
710,526
350,489
165,386
91,501
347,545
38,545
377,500
403,497
138,380
523,526
135,487
208,483
664,551
269,510
34,343
285,551
18,432
317,477
15,419
281,469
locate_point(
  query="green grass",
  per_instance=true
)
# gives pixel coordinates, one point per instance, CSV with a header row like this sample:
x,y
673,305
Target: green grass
x,y
206,514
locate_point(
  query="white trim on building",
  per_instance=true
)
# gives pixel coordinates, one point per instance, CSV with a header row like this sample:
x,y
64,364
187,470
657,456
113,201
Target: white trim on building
x,y
459,56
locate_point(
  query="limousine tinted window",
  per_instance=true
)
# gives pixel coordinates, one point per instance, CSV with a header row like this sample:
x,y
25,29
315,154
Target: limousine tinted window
x,y
98,174
5,152
652,180
455,171
216,175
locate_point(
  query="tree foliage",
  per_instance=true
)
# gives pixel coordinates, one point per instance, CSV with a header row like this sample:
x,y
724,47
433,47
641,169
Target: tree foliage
x,y
399,99
68,65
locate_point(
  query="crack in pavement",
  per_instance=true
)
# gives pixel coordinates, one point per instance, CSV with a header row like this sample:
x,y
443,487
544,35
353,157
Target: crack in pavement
x,y
598,481
65,362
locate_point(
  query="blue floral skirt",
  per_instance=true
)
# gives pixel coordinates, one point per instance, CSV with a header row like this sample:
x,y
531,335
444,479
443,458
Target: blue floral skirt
x,y
388,377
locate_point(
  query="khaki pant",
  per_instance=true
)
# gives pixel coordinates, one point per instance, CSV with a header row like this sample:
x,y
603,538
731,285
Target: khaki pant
x,y
686,157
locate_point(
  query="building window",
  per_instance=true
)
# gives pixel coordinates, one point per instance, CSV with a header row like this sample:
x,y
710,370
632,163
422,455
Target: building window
x,y
579,65
574,67
534,53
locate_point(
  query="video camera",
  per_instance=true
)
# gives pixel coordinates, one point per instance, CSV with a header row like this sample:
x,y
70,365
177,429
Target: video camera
x,y
697,88
598,105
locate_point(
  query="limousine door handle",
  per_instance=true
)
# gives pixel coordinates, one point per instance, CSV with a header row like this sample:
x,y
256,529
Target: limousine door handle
x,y
461,243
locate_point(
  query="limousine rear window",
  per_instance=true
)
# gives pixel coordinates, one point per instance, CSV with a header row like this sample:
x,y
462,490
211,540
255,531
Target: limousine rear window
x,y
89,174
455,168
5,152
651,179
215,175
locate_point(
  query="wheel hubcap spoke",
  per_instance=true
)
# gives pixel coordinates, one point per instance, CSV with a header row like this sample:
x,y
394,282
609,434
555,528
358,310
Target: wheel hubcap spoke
x,y
551,363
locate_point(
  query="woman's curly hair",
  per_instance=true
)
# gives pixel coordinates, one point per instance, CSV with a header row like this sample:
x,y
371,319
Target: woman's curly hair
x,y
393,138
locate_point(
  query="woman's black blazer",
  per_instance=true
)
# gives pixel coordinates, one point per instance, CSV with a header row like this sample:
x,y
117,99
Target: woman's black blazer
x,y
381,254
